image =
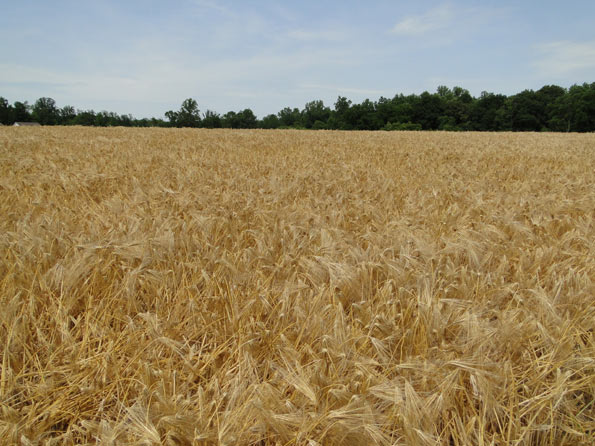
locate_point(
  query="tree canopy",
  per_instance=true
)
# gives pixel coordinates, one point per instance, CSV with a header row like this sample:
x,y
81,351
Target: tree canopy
x,y
551,108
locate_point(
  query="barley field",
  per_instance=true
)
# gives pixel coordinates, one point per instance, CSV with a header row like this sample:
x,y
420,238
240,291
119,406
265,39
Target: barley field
x,y
218,287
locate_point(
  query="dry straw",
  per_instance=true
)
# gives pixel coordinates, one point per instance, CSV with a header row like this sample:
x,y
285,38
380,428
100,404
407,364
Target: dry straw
x,y
194,287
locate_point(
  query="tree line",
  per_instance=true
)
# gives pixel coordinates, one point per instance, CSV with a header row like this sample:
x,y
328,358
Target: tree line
x,y
551,108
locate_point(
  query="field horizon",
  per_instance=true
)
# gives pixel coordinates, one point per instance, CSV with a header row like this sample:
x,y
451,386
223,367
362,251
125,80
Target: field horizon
x,y
291,287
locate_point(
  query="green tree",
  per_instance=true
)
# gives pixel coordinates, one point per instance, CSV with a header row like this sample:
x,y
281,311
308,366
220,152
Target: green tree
x,y
86,117
561,114
427,110
483,114
525,112
187,116
105,119
21,112
363,116
45,111
342,114
575,111
125,120
270,122
546,97
246,119
290,117
385,109
172,117
67,114
402,109
6,112
444,92
319,125
456,107
211,120
315,111
229,120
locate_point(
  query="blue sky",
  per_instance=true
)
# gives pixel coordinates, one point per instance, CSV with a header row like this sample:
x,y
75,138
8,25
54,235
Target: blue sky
x,y
146,57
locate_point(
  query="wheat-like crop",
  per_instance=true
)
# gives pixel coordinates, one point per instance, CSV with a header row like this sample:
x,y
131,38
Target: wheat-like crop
x,y
202,287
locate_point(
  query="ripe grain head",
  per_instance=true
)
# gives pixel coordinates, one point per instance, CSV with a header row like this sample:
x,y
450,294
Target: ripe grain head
x,y
287,287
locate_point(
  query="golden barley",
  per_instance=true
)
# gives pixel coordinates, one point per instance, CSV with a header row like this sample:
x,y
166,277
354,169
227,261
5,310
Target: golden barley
x,y
202,287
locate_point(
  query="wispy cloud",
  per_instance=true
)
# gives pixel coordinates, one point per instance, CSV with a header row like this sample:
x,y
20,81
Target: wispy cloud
x,y
448,22
562,58
434,19
266,55
170,79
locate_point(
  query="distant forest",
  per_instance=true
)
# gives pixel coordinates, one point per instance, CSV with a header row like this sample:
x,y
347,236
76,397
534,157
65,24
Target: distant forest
x,y
551,108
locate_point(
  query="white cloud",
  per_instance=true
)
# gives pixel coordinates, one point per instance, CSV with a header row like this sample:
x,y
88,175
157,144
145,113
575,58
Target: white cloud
x,y
434,19
559,59
161,78
448,23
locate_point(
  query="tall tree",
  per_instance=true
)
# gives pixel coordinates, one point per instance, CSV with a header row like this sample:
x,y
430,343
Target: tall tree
x,y
427,110
549,108
211,120
6,112
342,116
246,119
172,117
187,116
270,122
45,111
525,110
582,98
483,113
363,116
67,115
86,117
290,117
315,111
456,106
21,112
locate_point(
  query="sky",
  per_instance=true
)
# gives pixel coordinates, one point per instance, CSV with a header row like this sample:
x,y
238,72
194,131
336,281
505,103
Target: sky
x,y
144,57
